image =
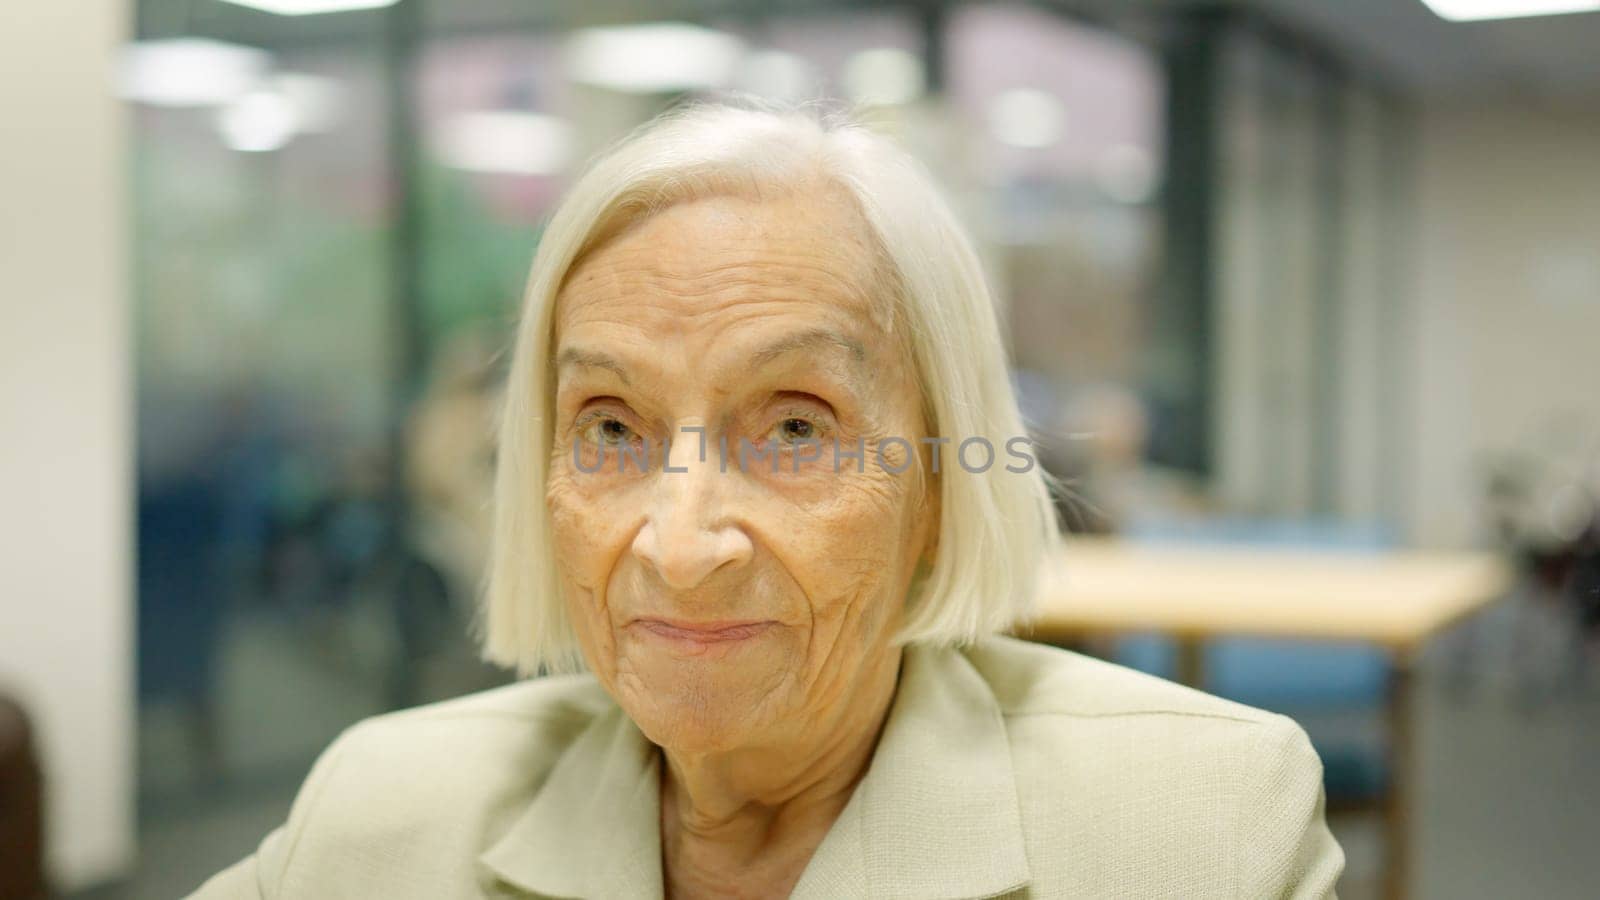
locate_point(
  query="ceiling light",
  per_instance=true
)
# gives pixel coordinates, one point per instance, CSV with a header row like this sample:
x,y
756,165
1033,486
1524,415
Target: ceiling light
x,y
883,76
310,7
1026,117
1475,10
503,141
257,122
658,58
188,71
318,101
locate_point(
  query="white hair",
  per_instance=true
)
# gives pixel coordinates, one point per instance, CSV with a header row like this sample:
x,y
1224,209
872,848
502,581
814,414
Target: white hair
x,y
995,526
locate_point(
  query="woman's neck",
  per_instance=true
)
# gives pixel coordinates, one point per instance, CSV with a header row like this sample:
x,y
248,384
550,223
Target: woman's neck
x,y
746,822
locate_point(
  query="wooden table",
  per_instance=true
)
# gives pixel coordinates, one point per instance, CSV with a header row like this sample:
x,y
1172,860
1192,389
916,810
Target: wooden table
x,y
1397,600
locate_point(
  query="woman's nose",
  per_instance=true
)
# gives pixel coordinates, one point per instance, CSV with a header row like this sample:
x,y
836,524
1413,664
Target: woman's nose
x,y
689,531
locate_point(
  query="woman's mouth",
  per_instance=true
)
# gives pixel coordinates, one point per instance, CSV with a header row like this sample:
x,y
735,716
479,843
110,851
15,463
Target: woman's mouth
x,y
700,636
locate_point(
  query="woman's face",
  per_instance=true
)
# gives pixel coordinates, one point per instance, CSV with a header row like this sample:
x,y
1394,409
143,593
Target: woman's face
x,y
729,605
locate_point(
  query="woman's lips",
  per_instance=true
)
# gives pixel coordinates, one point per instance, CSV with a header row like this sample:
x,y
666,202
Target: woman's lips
x,y
703,634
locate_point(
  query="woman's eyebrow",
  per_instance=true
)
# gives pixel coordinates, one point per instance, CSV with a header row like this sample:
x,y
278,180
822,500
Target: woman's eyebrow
x,y
810,339
813,339
592,359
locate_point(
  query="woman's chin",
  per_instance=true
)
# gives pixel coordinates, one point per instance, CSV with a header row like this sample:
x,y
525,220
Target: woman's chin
x,y
699,714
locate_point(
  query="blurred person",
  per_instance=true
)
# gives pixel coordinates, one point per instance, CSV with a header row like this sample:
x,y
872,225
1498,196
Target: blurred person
x,y
795,683
1109,428
200,515
450,463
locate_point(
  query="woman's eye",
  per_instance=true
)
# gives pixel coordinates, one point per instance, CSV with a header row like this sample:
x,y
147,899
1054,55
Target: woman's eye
x,y
795,429
607,431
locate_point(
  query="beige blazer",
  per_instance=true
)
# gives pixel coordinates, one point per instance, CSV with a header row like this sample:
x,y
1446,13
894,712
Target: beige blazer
x,y
1006,769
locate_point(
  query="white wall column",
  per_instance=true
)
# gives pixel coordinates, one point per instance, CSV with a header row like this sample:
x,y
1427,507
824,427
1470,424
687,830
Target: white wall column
x,y
66,642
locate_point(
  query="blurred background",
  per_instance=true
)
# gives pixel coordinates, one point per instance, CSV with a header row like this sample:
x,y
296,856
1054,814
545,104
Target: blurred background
x,y
1278,273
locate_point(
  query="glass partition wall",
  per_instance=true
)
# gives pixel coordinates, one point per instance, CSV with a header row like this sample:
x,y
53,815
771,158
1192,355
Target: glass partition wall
x,y
1309,317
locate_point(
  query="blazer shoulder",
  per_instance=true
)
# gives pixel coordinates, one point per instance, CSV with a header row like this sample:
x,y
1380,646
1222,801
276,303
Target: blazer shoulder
x,y
470,749
574,698
1204,796
411,796
438,776
490,741
1030,679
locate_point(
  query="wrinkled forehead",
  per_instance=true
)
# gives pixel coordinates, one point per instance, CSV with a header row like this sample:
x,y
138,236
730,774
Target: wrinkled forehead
x,y
801,243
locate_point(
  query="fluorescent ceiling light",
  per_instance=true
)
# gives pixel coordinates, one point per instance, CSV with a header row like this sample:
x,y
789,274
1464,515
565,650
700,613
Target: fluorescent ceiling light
x,y
657,58
1474,10
318,101
288,104
310,7
1026,117
257,122
188,71
517,143
883,76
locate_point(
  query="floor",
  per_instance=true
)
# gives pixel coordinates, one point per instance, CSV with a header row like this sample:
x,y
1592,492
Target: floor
x,y
1509,738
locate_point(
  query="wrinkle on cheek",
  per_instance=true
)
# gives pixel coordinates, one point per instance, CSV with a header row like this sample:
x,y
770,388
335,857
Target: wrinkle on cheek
x,y
625,678
842,638
873,520
852,605
567,510
581,538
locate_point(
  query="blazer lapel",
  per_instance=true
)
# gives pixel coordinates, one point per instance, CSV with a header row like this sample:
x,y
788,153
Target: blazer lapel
x,y
936,815
593,829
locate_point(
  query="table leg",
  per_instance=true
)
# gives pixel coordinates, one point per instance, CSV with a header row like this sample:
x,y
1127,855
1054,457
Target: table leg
x,y
1192,661
1402,778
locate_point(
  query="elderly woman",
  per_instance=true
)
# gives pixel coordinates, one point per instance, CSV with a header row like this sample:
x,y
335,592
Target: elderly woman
x,y
761,474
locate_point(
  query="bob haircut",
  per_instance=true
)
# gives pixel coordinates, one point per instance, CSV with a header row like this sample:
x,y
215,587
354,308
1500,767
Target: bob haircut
x,y
995,526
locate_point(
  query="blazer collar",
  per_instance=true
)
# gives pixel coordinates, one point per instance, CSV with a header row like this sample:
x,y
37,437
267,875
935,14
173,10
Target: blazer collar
x,y
593,829
935,816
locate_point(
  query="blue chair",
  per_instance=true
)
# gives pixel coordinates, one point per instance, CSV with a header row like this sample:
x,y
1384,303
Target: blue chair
x,y
1297,678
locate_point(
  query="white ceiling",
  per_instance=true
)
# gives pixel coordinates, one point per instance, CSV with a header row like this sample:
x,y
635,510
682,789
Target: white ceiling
x,y
1549,57
1552,57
